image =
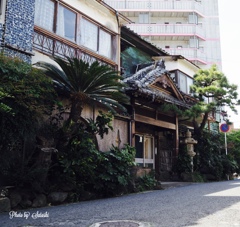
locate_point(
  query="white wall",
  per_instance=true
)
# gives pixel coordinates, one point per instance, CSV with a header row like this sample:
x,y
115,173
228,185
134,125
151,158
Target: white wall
x,y
180,64
42,57
95,10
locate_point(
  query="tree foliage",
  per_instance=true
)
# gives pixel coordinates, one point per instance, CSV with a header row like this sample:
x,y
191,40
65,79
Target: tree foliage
x,y
26,95
23,86
212,90
233,146
83,83
211,161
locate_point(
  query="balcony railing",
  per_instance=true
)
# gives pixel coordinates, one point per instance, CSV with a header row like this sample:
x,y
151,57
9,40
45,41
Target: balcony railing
x,y
53,45
155,5
189,53
168,29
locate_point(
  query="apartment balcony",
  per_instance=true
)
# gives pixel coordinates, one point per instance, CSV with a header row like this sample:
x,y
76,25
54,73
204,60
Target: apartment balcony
x,y
186,52
193,54
157,6
182,31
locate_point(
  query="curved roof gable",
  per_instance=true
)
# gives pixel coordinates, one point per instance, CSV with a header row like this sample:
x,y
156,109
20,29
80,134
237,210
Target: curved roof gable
x,y
155,82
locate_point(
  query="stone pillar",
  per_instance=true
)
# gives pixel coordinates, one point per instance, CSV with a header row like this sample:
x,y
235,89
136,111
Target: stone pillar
x,y
189,141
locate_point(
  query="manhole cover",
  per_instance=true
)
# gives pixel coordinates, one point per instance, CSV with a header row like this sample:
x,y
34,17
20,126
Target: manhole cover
x,y
120,223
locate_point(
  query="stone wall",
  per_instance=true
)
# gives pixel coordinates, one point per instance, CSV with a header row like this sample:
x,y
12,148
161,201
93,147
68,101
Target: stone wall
x,y
17,33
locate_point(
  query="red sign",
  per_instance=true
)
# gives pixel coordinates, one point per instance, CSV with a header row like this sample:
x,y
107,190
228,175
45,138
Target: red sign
x,y
224,127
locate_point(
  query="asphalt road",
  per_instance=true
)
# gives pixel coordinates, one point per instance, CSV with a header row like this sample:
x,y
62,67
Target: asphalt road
x,y
206,205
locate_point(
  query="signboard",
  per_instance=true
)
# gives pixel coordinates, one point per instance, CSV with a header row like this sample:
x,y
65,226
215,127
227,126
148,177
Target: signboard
x,y
224,127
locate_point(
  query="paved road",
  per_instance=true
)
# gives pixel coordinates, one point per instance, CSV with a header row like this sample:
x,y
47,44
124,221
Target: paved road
x,y
206,205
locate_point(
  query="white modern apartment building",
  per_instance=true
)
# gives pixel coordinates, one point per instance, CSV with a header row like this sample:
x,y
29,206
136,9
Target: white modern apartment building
x,y
181,27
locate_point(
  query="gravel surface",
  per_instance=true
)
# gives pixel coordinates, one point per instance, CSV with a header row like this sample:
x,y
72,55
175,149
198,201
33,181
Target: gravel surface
x,y
205,204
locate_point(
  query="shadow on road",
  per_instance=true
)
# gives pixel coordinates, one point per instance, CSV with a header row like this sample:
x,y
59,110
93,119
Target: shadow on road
x,y
191,205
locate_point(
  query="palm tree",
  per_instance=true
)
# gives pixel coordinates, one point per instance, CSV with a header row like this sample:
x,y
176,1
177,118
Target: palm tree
x,y
83,83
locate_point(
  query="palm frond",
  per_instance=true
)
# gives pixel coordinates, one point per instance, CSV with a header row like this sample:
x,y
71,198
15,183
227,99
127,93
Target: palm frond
x,y
58,76
95,81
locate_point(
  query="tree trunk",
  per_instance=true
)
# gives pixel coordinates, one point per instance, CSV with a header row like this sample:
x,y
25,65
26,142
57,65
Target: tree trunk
x,y
198,130
75,112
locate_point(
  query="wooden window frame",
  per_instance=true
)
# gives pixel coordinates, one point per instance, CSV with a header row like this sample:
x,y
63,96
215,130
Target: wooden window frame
x,y
79,16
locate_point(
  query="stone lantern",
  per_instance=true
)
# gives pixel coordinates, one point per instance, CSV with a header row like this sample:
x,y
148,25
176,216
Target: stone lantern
x,y
189,141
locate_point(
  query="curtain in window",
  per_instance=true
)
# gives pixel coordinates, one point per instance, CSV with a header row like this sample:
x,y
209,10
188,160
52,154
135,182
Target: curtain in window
x,y
189,83
60,21
66,21
148,148
44,14
89,35
183,82
105,43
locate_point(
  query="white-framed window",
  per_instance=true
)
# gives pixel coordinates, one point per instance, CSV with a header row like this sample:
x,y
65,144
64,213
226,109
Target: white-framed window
x,y
184,82
193,18
144,151
194,42
66,23
189,84
44,14
143,18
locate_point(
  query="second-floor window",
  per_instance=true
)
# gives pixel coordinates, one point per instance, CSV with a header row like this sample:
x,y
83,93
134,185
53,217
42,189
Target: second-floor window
x,y
89,34
65,22
44,14
184,82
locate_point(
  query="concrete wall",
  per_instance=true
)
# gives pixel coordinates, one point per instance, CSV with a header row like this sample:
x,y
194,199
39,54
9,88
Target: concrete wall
x,y
180,64
95,10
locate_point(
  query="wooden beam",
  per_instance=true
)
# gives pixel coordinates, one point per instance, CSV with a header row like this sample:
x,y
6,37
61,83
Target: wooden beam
x,y
177,138
151,121
133,126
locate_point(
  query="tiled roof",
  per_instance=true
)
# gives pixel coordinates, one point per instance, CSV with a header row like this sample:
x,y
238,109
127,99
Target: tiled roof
x,y
140,83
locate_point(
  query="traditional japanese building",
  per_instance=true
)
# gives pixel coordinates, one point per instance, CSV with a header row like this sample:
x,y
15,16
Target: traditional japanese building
x,y
36,30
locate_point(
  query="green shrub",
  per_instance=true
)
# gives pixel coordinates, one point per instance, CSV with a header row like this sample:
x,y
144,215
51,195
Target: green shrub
x,y
114,171
211,157
102,174
183,164
146,182
197,177
26,94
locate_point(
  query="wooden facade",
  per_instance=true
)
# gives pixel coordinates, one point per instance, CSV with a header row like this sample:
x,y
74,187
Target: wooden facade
x,y
154,132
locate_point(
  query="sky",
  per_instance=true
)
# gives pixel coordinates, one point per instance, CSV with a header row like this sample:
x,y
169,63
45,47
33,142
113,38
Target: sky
x,y
230,46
